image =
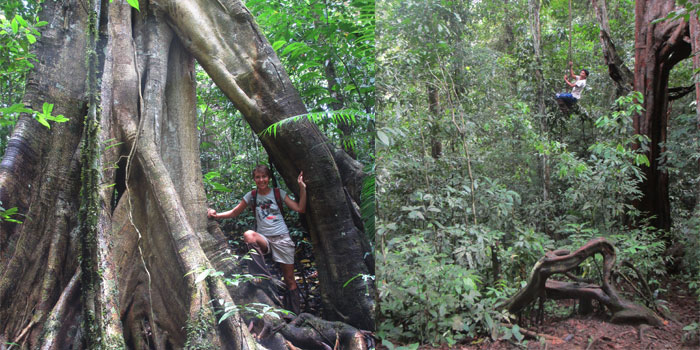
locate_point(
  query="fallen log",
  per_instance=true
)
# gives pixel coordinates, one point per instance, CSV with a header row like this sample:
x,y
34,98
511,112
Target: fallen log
x,y
562,262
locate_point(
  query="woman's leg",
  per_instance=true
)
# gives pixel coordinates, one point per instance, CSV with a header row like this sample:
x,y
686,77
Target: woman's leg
x,y
257,247
292,299
288,274
251,237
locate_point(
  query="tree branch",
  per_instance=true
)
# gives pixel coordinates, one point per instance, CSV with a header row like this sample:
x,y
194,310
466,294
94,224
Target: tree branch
x,y
678,92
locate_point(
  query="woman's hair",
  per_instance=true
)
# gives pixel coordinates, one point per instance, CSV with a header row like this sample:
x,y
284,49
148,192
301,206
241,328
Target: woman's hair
x,y
587,74
262,168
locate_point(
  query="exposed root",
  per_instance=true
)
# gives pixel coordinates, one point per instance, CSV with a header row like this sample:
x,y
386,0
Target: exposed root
x,y
551,339
559,261
56,323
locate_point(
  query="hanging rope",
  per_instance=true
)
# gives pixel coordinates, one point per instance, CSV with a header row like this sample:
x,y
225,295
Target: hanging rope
x,y
570,31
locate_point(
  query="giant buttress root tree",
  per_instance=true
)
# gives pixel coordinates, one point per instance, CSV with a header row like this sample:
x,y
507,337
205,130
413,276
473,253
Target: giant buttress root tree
x,y
658,48
147,226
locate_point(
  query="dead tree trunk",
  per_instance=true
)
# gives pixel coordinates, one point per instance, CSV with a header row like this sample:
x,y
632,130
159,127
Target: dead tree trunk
x,y
659,47
563,262
151,226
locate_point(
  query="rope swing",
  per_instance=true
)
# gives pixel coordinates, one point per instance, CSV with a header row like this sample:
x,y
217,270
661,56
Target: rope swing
x,y
570,31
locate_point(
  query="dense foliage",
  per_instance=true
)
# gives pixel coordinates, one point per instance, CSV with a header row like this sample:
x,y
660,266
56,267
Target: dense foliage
x,y
477,178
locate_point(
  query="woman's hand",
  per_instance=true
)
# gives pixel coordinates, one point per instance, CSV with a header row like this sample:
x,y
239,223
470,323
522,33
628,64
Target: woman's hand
x,y
300,180
211,213
299,207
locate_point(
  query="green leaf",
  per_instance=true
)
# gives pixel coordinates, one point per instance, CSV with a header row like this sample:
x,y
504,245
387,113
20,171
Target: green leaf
x,y
220,188
202,276
21,21
516,333
15,25
212,174
134,4
11,211
291,47
350,280
43,121
641,159
58,119
31,38
691,327
47,107
16,108
383,137
277,44
227,315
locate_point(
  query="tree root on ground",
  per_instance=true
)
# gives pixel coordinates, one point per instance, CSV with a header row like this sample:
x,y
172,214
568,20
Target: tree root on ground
x,y
562,262
305,331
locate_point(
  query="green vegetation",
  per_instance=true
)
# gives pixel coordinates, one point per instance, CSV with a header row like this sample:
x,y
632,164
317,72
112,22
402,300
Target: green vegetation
x,y
479,174
18,32
257,310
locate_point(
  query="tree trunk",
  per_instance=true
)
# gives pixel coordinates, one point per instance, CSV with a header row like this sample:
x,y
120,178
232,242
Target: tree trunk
x,y
658,47
695,45
620,74
151,227
434,109
338,104
508,33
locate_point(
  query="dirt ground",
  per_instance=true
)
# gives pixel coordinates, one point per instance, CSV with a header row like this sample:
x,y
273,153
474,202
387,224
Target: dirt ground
x,y
593,332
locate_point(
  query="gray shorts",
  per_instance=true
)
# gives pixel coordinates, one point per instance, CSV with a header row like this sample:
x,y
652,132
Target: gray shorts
x,y
282,248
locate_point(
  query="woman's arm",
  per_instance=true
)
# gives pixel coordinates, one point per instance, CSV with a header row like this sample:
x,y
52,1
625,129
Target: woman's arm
x,y
228,214
301,206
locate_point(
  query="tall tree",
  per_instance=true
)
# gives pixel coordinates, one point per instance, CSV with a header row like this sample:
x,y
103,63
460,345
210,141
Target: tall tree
x,y
695,45
148,228
659,47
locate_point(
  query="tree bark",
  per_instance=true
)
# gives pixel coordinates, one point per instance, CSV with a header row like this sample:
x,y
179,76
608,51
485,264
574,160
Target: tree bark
x,y
659,47
333,90
151,226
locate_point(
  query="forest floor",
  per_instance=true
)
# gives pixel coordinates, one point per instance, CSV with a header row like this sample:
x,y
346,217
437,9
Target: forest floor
x,y
594,332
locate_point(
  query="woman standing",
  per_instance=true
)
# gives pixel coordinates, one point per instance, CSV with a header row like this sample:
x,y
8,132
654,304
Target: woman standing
x,y
271,234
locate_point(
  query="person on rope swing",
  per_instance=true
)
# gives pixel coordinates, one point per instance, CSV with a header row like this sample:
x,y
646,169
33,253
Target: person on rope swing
x,y
271,234
570,98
